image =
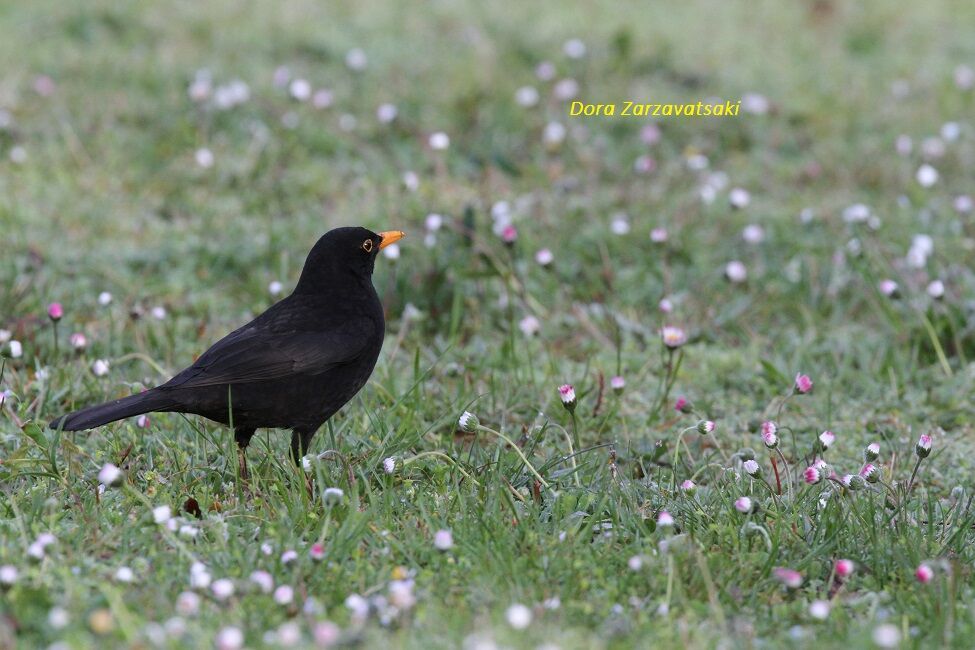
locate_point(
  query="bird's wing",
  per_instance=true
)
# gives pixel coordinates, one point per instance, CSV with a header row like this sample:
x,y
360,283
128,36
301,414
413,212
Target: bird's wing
x,y
255,353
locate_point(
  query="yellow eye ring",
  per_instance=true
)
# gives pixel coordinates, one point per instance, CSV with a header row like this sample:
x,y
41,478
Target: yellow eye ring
x,y
367,245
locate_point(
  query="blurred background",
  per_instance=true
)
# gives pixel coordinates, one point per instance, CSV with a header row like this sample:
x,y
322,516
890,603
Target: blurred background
x,y
184,158
166,166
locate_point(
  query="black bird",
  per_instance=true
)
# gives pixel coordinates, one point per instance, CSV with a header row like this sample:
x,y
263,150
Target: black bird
x,y
293,366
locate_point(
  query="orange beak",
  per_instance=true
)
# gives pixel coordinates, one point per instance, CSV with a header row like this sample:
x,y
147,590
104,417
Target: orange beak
x,y
389,237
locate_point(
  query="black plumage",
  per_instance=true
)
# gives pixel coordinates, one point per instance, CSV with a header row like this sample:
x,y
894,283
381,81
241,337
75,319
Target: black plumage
x,y
293,366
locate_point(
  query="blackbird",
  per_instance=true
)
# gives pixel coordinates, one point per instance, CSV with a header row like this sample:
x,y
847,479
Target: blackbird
x,y
293,366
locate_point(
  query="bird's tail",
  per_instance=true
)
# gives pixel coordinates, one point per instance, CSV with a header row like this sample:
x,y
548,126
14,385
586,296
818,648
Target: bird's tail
x,y
96,416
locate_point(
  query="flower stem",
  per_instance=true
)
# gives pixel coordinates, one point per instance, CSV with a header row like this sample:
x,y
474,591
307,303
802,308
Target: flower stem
x,y
680,438
517,449
778,481
910,483
788,474
575,430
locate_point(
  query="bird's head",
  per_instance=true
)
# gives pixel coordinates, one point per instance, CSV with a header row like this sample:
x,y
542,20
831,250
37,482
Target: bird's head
x,y
342,252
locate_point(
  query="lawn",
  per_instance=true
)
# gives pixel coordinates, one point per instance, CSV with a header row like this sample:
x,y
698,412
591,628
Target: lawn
x,y
165,168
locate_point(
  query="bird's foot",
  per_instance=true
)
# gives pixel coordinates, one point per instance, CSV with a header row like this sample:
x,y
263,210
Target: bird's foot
x,y
242,464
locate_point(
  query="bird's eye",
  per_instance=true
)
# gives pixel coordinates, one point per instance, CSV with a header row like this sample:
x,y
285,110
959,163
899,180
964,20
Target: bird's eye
x,y
367,245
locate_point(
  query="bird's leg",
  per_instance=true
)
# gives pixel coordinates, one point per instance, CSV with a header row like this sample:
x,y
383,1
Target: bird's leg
x,y
300,440
243,438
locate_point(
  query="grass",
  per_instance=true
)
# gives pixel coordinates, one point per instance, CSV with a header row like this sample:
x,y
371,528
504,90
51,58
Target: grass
x,y
100,191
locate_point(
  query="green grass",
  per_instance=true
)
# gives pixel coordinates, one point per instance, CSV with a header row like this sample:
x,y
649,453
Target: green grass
x,y
110,198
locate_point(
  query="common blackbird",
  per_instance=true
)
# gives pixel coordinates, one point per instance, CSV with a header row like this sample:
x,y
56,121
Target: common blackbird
x,y
293,366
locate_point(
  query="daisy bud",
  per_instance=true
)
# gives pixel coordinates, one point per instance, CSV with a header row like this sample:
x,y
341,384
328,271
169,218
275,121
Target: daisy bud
x,y
673,337
36,551
222,589
509,234
526,96
519,616
100,367
617,383
889,288
887,635
443,540
871,452
332,495
162,514
826,440
704,427
386,113
356,59
735,272
199,576
78,341
204,157
8,575
819,609
468,422
683,405
317,551
391,252
927,175
854,482
644,164
554,134
789,577
263,580
870,473
743,505
753,234
574,48
568,396
844,568
545,71
739,198
110,475
688,486
529,325
284,595
620,225
803,384
751,468
439,141
187,603
746,453
565,89
924,574
326,634
358,606
812,475
664,519
55,311
923,446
